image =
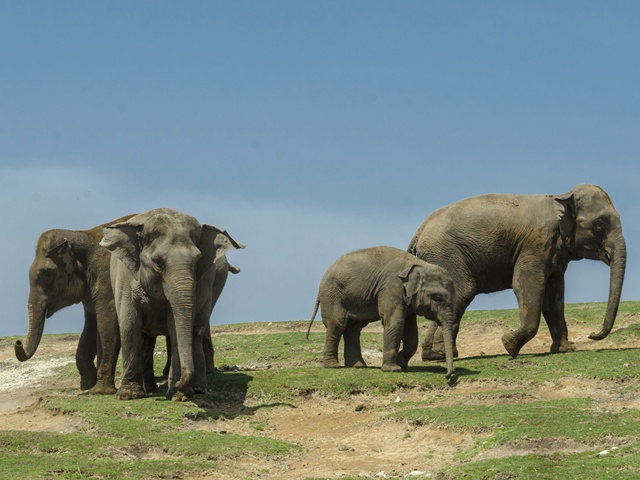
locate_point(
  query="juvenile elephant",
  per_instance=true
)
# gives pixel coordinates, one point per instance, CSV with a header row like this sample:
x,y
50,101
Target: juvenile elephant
x,y
70,267
525,242
387,284
162,273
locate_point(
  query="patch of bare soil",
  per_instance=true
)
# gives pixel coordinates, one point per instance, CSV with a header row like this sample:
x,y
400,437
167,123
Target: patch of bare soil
x,y
338,438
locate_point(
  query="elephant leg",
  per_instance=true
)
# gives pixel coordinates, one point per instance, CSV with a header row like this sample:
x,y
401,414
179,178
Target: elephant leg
x,y
409,341
87,351
553,313
352,349
209,351
108,350
529,289
201,330
148,374
131,386
167,365
200,384
392,336
332,341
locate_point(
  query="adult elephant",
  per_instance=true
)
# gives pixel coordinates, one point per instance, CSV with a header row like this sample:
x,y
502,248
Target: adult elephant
x,y
525,242
71,267
162,274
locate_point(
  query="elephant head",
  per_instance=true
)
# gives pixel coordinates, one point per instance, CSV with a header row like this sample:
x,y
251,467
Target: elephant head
x,y
166,252
55,279
429,291
597,235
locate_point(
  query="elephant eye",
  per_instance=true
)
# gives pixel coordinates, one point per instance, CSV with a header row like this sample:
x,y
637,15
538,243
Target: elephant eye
x,y
601,225
437,298
47,276
158,263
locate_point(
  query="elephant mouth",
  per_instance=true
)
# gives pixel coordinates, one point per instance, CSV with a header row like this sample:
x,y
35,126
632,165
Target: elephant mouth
x,y
606,258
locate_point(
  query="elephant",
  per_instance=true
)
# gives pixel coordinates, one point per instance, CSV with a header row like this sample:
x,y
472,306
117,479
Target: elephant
x,y
163,283
387,284
71,267
495,242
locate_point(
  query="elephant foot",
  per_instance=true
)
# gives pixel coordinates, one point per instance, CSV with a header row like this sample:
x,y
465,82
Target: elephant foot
x,y
130,392
431,355
428,354
565,346
182,396
355,363
151,387
88,383
391,367
331,364
200,388
403,365
103,389
510,344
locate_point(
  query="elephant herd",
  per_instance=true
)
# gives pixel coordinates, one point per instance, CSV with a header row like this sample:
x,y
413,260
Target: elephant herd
x,y
161,273
139,277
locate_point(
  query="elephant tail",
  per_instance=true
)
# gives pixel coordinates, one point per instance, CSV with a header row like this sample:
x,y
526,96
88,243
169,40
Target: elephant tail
x,y
313,316
233,269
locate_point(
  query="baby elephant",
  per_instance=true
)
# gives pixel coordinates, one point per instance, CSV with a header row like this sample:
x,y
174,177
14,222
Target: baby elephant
x,y
387,284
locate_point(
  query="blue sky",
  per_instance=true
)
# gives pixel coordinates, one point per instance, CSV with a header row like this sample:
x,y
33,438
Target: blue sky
x,y
308,129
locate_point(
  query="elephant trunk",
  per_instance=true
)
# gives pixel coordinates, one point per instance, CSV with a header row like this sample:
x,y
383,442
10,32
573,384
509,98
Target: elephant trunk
x,y
447,336
617,250
180,291
34,334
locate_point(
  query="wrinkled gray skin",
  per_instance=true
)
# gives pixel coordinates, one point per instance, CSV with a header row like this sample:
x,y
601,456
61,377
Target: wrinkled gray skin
x,y
387,284
70,267
163,277
524,242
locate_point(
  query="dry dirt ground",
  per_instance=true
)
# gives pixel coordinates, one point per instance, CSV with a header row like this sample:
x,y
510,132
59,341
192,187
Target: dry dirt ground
x,y
337,438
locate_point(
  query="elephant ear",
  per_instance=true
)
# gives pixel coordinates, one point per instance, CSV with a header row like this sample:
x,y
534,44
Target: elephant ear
x,y
411,283
63,256
123,241
565,208
215,243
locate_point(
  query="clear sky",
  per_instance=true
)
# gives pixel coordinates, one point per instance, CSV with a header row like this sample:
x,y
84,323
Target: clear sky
x,y
308,129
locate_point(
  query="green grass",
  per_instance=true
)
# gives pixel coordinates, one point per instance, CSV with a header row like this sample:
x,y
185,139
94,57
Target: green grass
x,y
576,418
141,439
